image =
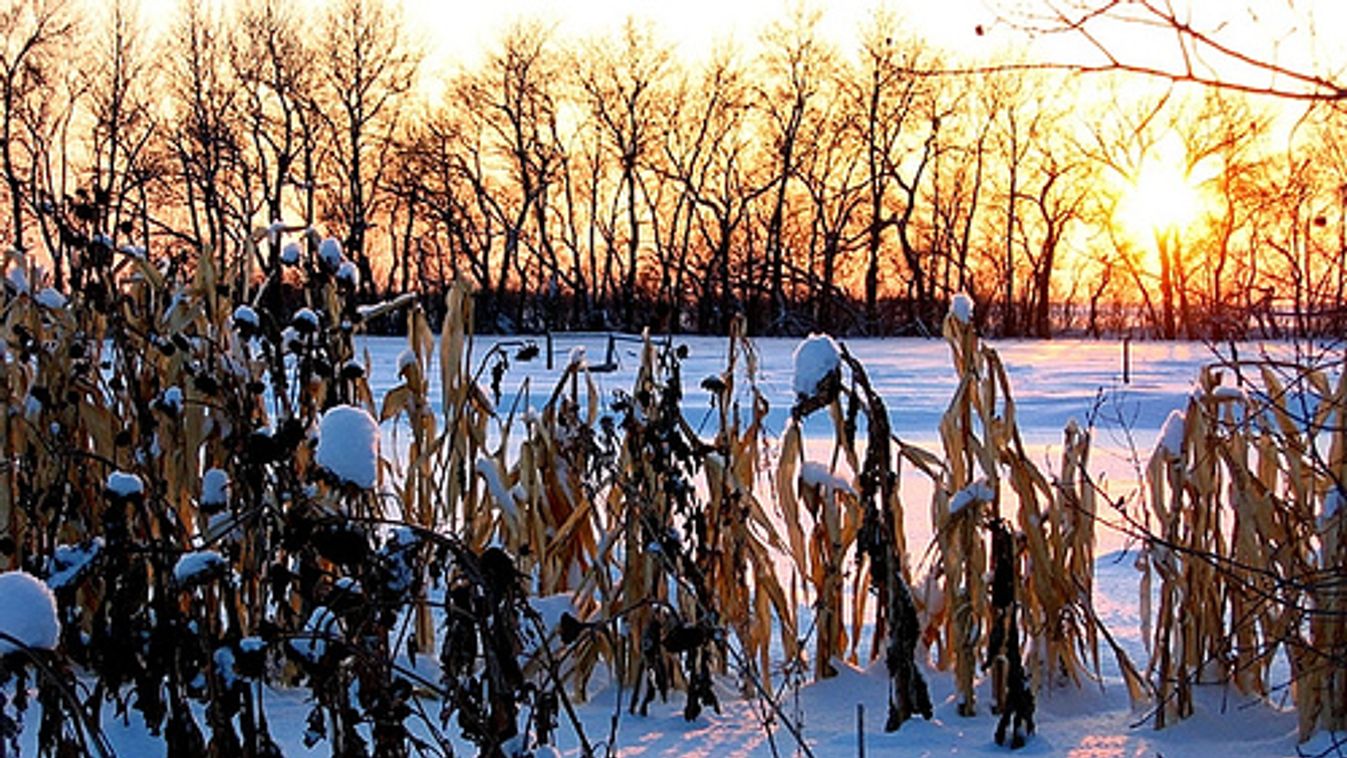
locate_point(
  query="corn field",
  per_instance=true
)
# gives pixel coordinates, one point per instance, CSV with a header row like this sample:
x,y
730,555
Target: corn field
x,y
178,470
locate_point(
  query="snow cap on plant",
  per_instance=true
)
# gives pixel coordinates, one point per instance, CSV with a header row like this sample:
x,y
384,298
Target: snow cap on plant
x,y
348,446
329,252
28,616
961,307
123,486
818,373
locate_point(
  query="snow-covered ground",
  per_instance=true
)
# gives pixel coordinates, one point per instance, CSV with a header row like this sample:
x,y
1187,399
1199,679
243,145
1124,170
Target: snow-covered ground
x,y
1053,382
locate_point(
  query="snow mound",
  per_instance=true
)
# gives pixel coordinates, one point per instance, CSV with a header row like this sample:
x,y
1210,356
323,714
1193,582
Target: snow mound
x,y
815,359
348,445
961,308
124,484
27,614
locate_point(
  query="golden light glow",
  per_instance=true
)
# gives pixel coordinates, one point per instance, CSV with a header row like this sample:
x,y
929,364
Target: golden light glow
x,y
1162,198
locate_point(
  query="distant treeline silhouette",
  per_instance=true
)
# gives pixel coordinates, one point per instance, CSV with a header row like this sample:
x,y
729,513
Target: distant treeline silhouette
x,y
605,183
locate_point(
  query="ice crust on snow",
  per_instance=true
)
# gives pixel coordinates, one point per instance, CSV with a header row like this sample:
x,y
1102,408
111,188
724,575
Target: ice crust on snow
x,y
815,358
27,613
348,445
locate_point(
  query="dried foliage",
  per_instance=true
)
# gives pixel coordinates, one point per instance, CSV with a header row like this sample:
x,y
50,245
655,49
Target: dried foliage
x,y
164,433
1245,537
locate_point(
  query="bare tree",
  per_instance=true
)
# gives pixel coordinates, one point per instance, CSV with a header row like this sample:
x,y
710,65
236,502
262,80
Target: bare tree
x,y
622,83
368,67
795,64
32,36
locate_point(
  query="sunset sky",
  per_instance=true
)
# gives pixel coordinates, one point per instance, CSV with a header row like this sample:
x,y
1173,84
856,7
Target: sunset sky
x,y
1272,29
694,26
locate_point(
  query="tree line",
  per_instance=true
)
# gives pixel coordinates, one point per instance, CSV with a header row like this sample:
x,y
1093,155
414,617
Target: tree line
x,y
608,183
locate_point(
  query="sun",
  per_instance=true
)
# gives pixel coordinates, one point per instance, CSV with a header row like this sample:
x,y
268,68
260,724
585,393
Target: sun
x,y
1162,198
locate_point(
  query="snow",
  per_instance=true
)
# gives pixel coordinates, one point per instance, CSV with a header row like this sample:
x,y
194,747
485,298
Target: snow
x,y
1170,440
124,484
194,567
50,299
329,252
305,321
1053,383
215,488
348,445
224,665
815,474
815,358
961,308
290,253
69,562
406,360
311,644
171,399
28,615
245,316
18,280
577,357
348,274
1333,505
490,472
977,492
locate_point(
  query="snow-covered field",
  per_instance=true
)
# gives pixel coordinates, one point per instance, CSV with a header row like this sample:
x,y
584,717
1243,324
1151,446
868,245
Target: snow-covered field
x,y
1053,382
